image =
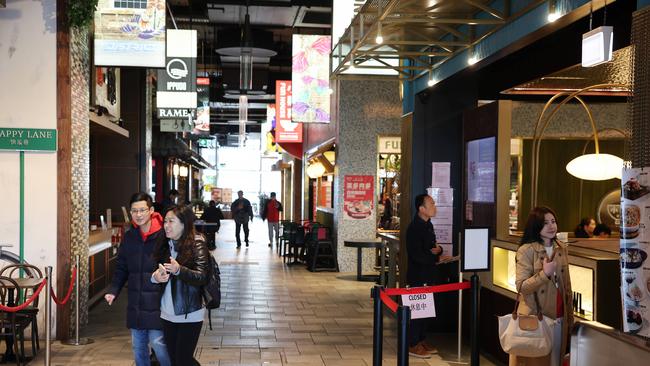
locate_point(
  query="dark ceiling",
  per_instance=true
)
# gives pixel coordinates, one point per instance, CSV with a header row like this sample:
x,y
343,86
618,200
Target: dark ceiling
x,y
219,24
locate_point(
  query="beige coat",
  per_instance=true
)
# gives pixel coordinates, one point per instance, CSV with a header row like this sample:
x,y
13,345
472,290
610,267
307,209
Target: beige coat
x,y
532,279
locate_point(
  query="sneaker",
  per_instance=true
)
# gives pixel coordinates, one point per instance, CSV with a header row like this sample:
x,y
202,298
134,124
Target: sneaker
x,y
270,245
428,347
419,351
246,244
238,246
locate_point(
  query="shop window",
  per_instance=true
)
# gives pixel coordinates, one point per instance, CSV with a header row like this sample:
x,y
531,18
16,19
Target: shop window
x,y
131,4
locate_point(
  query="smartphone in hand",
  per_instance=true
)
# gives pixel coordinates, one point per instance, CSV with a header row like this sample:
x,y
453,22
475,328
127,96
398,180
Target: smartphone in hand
x,y
161,269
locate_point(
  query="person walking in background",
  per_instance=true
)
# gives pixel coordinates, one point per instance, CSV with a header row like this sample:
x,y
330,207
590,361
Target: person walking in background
x,y
170,200
134,263
182,266
423,253
585,228
242,211
542,278
213,215
271,212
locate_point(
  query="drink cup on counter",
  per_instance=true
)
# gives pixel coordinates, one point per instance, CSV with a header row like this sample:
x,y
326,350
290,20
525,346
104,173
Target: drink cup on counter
x,y
563,236
93,227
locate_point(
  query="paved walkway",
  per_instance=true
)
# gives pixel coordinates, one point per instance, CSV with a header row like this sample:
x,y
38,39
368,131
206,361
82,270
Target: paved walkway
x,y
271,315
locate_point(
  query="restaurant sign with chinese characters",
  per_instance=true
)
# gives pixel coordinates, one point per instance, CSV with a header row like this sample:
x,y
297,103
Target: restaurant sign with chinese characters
x,y
28,139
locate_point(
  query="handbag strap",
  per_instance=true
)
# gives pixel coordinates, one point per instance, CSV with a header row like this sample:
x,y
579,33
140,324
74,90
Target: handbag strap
x,y
540,316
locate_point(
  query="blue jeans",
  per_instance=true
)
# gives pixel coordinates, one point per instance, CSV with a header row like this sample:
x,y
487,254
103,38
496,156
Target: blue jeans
x,y
141,339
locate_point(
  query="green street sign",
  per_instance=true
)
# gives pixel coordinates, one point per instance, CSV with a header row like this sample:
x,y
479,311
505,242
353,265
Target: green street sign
x,y
27,139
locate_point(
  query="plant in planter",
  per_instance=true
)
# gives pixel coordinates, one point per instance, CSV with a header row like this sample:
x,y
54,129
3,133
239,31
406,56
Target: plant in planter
x,y
81,12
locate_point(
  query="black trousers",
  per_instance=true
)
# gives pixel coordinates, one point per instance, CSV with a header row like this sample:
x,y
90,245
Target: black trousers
x,y
238,226
417,331
181,340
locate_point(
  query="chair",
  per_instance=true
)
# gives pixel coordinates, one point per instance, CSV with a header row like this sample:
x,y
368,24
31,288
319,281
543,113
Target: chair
x,y
288,235
30,312
12,325
321,252
284,236
297,245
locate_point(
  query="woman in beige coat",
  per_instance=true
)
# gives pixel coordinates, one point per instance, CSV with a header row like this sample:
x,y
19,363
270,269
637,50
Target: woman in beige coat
x,y
543,268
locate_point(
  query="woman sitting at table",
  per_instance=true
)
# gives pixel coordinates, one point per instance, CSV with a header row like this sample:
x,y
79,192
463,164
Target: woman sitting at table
x,y
182,263
585,228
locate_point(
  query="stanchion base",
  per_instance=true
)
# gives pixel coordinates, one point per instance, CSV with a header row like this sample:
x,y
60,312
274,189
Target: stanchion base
x,y
72,342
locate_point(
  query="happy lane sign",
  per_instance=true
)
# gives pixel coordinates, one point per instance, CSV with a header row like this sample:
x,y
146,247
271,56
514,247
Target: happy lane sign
x,y
27,139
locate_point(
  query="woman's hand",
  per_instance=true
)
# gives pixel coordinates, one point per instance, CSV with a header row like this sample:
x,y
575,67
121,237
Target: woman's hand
x,y
172,267
549,267
161,276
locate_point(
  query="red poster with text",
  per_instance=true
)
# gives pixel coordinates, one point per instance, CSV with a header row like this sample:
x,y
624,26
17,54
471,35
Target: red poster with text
x,y
285,129
358,196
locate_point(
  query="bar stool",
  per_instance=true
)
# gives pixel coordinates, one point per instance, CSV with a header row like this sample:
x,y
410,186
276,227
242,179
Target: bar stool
x,y
321,250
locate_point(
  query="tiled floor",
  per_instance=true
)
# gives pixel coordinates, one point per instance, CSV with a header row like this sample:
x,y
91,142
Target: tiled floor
x,y
271,314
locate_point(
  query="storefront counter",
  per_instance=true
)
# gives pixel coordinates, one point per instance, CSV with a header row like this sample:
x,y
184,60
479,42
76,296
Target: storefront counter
x,y
102,253
390,238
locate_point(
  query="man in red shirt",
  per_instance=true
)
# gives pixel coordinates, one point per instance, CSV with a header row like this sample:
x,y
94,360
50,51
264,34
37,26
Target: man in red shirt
x,y
272,211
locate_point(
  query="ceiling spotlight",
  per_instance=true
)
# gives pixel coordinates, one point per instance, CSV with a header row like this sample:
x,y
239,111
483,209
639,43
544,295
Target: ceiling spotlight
x,y
472,60
379,39
431,82
553,13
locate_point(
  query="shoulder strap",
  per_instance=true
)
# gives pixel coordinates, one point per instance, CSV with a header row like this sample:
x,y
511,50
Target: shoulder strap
x,y
540,316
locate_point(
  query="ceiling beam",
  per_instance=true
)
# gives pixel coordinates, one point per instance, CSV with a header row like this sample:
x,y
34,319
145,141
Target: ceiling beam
x,y
495,13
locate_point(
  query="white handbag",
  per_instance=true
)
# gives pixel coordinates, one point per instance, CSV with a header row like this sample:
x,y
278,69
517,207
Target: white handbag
x,y
526,335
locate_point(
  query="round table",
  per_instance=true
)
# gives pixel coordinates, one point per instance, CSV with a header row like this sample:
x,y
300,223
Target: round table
x,y
368,243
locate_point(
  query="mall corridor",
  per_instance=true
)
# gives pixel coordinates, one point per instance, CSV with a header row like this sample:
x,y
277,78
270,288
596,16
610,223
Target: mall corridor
x,y
271,314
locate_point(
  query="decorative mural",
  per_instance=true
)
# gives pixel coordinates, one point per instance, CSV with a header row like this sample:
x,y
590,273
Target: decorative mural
x,y
310,78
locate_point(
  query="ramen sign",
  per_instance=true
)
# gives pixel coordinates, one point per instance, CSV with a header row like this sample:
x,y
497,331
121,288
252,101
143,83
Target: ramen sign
x,y
358,196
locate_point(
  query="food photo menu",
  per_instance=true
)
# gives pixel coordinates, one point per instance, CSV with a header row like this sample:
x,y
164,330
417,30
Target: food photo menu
x,y
634,249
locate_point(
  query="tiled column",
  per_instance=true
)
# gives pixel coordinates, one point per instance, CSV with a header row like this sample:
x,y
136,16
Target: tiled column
x,y
79,81
367,109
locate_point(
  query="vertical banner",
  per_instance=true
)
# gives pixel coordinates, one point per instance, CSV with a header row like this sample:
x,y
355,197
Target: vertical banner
x,y
311,78
226,195
634,248
202,121
285,129
358,196
176,94
216,195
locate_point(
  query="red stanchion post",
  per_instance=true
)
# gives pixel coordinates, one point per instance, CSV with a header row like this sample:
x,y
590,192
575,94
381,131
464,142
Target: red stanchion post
x,y
77,341
403,320
378,327
48,318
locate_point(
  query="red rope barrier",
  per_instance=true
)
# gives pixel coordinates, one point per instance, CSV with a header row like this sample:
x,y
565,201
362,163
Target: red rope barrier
x,y
390,303
13,309
385,294
67,296
428,289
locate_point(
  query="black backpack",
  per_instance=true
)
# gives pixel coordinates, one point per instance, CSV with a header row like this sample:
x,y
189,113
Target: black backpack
x,y
212,289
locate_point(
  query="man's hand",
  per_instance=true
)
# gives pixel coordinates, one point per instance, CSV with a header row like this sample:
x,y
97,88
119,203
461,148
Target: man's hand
x,y
109,299
436,250
172,267
161,276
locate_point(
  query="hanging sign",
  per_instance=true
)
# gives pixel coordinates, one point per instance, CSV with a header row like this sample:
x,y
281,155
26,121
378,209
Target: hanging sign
x,y
422,305
634,250
175,125
285,129
358,196
28,139
176,96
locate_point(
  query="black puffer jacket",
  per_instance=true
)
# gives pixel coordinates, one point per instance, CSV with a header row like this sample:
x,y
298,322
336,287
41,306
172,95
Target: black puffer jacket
x,y
134,263
186,286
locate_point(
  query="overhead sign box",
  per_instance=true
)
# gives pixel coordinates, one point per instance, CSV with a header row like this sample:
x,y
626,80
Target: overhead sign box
x,y
177,81
597,46
175,125
130,33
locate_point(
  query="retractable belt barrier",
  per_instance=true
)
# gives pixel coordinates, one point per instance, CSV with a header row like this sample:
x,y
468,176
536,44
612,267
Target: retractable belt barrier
x,y
383,295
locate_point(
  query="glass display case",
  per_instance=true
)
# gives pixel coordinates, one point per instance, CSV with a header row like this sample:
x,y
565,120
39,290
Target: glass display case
x,y
592,272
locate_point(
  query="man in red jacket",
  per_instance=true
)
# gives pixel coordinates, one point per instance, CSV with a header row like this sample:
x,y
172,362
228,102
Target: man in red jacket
x,y
272,211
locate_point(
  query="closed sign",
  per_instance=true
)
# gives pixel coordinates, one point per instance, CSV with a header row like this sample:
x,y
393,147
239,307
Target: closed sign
x,y
422,305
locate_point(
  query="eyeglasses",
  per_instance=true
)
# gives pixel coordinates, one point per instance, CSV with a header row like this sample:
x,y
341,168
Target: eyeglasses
x,y
141,211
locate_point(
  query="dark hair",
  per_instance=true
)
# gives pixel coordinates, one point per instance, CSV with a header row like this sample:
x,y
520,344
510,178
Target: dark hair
x,y
240,191
602,228
580,231
212,204
185,243
535,224
173,192
419,201
141,196
272,194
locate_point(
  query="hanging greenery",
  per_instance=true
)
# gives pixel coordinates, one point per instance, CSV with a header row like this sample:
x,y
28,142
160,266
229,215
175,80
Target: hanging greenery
x,y
81,12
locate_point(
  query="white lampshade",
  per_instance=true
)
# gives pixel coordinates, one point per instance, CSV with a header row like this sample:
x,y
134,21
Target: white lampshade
x,y
315,170
183,172
175,170
597,46
596,167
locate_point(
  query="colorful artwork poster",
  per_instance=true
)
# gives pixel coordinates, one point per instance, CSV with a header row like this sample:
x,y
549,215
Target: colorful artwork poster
x,y
634,249
285,129
310,77
226,195
358,198
217,195
130,33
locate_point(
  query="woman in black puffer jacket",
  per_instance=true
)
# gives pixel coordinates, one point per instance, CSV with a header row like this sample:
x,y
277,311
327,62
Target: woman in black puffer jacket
x,y
183,265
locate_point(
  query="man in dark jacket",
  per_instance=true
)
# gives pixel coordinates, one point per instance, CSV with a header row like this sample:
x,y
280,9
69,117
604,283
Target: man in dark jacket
x,y
213,215
241,212
135,264
423,253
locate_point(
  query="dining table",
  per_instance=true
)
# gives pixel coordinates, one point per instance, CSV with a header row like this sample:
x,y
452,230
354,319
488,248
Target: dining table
x,y
369,243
